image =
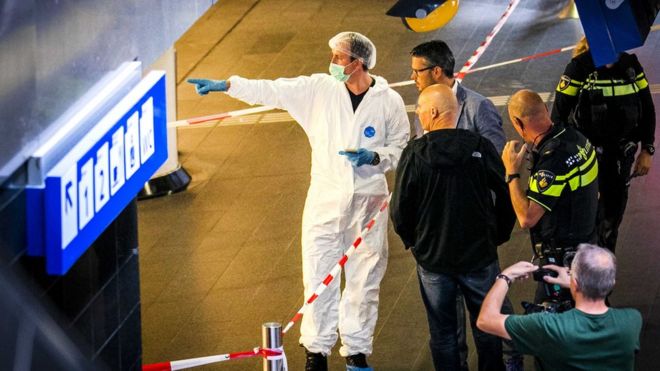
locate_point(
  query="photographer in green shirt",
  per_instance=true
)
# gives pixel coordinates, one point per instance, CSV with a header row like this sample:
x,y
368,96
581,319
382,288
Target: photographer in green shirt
x,y
590,336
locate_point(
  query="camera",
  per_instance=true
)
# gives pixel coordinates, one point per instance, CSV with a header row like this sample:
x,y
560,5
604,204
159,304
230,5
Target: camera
x,y
542,272
550,297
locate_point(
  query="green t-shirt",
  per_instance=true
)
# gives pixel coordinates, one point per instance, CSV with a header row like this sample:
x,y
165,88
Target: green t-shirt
x,y
575,340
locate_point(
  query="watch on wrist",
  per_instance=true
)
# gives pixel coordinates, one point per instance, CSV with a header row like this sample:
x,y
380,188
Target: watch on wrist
x,y
649,148
505,278
376,159
511,177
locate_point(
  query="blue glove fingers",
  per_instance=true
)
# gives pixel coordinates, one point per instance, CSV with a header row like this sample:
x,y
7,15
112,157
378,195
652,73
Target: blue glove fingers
x,y
197,81
363,156
349,155
204,86
202,89
201,85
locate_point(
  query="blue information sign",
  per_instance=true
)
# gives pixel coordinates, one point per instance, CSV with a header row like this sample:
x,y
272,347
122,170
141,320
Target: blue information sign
x,y
101,174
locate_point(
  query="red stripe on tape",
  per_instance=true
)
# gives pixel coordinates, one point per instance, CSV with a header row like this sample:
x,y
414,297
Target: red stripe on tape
x,y
343,260
199,120
269,352
357,242
371,223
539,55
312,299
327,280
163,366
238,355
384,206
297,317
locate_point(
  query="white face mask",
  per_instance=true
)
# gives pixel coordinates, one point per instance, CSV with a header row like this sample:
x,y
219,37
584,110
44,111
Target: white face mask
x,y
337,71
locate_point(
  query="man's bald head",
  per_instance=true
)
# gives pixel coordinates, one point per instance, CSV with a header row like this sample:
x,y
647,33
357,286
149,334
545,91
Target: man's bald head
x,y
437,107
529,114
526,104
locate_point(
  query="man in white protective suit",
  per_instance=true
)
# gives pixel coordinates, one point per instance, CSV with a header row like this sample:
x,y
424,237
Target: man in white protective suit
x,y
357,127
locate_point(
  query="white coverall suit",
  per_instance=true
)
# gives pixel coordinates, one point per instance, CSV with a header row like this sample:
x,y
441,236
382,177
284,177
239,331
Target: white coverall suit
x,y
341,199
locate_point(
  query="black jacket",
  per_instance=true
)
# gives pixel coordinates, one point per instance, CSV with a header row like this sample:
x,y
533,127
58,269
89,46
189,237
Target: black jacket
x,y
443,207
637,107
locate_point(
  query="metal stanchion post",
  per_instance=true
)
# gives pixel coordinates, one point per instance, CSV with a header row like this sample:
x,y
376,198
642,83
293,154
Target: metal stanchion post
x,y
271,338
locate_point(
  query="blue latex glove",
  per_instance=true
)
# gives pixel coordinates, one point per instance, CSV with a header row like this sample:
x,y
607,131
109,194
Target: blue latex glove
x,y
204,86
361,157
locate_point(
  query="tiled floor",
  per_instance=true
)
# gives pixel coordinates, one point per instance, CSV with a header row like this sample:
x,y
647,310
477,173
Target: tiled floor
x,y
223,257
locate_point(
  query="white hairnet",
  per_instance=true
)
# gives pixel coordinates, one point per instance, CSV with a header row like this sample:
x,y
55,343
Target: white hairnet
x,y
356,45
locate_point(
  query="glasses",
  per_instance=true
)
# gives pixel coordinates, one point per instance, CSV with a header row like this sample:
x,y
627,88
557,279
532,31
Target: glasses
x,y
417,72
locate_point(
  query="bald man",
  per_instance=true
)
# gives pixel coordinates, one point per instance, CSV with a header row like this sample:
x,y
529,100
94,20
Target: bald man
x,y
559,206
452,209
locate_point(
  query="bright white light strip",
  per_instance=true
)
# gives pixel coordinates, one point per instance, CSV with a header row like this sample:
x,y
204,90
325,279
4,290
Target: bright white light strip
x,y
106,123
88,108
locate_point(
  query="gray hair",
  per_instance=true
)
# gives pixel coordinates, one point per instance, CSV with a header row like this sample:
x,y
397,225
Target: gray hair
x,y
594,269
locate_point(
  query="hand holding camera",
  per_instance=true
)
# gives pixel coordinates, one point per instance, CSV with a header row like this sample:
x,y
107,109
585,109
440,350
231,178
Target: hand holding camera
x,y
543,272
558,276
550,273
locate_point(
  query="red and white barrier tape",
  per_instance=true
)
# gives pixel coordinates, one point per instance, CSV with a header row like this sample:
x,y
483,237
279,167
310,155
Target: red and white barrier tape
x,y
336,270
523,59
484,45
220,116
459,76
269,354
274,354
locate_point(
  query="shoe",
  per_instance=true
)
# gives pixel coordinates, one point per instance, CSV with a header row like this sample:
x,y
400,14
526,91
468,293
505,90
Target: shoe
x,y
315,361
514,364
357,362
355,368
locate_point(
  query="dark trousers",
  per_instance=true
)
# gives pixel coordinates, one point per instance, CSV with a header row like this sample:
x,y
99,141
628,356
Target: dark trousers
x,y
613,181
511,355
439,296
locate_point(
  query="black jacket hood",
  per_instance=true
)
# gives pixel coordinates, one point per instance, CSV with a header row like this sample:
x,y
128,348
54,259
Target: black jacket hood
x,y
447,148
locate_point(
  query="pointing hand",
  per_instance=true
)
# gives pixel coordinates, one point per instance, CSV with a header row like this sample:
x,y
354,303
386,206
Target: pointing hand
x,y
204,86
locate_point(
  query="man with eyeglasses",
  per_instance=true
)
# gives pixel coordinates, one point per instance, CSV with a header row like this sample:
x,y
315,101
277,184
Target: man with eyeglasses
x,y
433,63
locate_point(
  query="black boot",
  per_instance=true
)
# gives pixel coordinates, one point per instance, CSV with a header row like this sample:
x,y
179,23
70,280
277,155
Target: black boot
x,y
316,361
357,360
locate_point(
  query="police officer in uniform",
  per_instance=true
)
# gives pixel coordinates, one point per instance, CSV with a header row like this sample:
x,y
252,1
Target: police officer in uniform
x,y
561,201
612,106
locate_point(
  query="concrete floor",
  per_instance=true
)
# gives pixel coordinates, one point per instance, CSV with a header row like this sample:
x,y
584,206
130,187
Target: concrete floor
x,y
223,257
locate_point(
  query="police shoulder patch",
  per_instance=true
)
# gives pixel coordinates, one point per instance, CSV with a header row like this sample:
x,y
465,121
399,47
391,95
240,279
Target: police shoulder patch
x,y
544,179
564,82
